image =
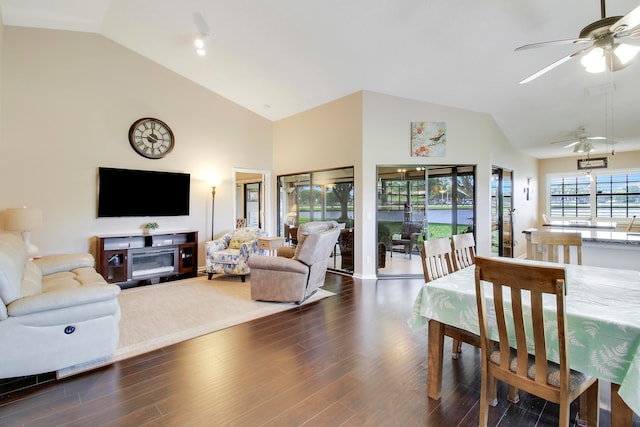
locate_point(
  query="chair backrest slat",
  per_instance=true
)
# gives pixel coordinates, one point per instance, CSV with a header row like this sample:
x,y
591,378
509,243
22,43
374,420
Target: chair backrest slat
x,y
539,338
503,335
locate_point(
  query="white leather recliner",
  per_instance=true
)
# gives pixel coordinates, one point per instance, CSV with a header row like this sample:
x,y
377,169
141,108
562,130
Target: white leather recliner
x,y
56,312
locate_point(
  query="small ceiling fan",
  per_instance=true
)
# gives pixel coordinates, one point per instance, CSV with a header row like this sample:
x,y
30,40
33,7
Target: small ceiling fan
x,y
613,42
583,141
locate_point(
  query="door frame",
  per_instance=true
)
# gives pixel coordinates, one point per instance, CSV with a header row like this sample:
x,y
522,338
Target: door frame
x,y
265,190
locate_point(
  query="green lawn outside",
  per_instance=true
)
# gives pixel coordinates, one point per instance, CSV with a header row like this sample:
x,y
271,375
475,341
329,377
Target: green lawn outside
x,y
436,230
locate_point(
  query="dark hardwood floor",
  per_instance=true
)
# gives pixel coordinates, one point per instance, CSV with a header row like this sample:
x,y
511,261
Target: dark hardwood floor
x,y
348,360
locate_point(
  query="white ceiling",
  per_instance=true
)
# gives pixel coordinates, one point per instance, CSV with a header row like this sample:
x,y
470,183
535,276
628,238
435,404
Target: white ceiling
x,y
280,57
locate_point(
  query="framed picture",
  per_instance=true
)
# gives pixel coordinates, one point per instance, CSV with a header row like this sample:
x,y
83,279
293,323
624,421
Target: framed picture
x,y
428,139
593,163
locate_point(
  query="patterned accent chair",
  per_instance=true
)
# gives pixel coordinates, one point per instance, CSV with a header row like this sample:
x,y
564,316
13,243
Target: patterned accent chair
x,y
230,254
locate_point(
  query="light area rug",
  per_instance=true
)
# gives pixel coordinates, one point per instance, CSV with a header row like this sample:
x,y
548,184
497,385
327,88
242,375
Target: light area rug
x,y
160,315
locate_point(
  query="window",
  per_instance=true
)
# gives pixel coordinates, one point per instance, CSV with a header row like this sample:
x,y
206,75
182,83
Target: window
x,y
570,196
618,196
599,196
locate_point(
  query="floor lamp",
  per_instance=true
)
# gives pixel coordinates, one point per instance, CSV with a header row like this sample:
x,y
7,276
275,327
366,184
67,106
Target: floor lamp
x,y
24,220
213,205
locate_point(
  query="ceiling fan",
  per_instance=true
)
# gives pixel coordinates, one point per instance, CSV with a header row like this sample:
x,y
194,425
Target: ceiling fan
x,y
582,142
613,42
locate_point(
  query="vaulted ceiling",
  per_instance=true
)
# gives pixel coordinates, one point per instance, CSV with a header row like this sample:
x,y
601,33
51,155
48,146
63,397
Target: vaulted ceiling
x,y
281,57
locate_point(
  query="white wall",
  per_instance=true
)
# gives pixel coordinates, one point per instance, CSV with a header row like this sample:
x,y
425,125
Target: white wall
x,y
472,139
325,137
68,99
368,129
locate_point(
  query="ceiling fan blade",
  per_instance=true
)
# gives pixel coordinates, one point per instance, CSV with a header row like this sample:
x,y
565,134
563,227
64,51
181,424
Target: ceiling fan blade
x,y
552,66
627,22
595,137
629,37
572,144
553,43
565,141
632,33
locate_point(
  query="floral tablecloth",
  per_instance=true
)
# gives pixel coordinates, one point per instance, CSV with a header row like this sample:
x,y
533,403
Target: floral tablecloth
x,y
603,316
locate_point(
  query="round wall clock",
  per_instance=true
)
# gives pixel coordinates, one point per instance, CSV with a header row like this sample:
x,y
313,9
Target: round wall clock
x,y
151,138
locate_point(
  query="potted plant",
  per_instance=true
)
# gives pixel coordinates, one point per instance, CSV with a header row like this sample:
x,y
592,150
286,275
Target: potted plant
x,y
150,227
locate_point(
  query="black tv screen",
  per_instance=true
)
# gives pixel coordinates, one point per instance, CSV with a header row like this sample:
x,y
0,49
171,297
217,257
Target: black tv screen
x,y
126,192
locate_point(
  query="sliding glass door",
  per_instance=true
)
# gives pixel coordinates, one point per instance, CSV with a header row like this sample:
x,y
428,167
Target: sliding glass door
x,y
438,201
318,196
502,212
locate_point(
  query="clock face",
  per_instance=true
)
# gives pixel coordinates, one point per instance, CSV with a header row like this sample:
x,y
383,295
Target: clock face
x,y
151,138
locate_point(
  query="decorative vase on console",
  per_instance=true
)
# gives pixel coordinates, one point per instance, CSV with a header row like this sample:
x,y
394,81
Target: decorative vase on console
x,y
151,227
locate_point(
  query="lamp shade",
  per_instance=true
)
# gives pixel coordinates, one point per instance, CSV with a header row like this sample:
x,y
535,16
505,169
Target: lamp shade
x,y
625,52
594,61
22,219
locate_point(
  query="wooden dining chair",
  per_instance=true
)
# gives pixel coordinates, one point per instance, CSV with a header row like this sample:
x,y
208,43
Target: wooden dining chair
x,y
436,263
436,258
510,360
548,245
464,250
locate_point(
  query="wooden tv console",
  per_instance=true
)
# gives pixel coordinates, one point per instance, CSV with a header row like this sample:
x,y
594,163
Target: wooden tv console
x,y
141,259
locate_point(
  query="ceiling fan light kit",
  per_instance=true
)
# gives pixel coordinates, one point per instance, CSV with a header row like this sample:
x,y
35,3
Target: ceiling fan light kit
x,y
583,147
599,59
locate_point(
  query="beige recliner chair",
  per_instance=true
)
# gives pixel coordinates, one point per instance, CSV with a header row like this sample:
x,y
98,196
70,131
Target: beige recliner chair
x,y
295,279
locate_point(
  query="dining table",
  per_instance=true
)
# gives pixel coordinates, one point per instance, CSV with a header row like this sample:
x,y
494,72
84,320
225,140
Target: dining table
x,y
603,318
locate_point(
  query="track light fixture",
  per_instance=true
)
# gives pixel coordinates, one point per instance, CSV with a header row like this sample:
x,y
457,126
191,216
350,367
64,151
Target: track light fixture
x,y
201,44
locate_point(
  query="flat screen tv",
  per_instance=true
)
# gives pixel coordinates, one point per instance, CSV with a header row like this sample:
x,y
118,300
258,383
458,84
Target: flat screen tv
x,y
131,193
